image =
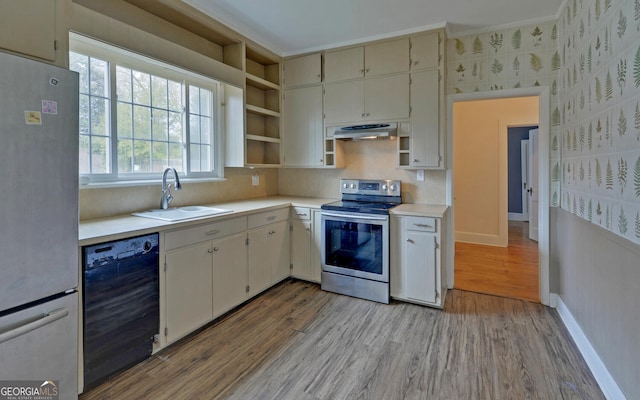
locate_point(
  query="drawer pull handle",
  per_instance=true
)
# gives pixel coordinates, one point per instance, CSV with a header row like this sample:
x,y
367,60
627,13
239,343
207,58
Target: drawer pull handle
x,y
302,214
216,249
423,225
410,241
213,232
271,218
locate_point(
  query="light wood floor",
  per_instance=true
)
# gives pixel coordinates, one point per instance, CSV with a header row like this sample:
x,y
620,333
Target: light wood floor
x,y
297,342
502,271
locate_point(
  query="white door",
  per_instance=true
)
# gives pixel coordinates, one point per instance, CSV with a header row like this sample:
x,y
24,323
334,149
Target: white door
x,y
524,164
533,184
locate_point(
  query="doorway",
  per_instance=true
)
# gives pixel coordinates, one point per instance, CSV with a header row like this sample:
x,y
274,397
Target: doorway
x,y
487,195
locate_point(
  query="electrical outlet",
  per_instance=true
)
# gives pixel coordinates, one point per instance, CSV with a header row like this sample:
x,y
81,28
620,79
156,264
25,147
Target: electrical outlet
x,y
255,179
420,175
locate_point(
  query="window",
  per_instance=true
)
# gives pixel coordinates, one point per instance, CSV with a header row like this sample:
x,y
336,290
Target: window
x,y
139,116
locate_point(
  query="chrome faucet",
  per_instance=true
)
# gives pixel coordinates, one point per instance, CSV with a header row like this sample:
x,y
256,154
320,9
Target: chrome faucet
x,y
167,197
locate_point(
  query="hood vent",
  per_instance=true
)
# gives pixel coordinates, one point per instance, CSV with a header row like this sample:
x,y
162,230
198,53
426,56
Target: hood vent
x,y
369,131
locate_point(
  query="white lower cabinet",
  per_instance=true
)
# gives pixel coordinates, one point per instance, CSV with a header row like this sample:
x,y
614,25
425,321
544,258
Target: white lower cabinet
x,y
188,290
305,244
416,269
229,273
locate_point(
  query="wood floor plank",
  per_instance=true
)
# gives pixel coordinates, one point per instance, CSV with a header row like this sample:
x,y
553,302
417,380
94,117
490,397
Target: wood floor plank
x,y
296,342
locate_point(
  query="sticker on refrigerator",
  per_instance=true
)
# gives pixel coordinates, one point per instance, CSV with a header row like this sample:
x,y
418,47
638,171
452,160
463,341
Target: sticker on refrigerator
x,y
49,107
33,118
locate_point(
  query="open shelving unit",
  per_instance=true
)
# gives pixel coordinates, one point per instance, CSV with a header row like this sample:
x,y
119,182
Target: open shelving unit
x,y
262,110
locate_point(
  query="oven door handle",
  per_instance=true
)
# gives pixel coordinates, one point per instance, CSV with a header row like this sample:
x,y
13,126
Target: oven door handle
x,y
345,216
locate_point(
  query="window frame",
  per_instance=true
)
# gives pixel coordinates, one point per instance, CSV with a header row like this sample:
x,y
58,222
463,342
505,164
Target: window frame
x,y
116,56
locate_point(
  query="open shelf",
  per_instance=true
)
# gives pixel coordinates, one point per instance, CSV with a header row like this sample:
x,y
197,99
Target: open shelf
x,y
262,111
261,83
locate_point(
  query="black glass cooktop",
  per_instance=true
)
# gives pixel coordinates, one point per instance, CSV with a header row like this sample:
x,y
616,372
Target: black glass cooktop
x,y
365,207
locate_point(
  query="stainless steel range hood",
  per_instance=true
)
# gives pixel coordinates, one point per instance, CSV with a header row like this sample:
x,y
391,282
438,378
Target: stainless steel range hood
x,y
369,131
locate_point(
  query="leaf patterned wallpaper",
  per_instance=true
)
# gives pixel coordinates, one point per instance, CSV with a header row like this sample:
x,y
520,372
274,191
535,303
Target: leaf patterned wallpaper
x,y
590,59
600,113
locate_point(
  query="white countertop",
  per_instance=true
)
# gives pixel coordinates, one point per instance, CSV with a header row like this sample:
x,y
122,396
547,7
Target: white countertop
x,y
122,226
113,228
420,210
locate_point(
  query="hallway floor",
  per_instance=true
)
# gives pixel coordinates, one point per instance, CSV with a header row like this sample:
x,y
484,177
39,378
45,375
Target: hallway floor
x,y
502,271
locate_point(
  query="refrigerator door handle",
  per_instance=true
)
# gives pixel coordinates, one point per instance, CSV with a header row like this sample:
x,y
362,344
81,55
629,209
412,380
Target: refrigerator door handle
x,y
31,324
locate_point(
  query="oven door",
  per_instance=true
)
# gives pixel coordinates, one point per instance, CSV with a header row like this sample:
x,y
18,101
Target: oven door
x,y
356,245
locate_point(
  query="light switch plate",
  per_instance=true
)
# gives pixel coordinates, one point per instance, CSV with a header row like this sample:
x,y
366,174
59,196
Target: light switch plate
x,y
255,179
420,175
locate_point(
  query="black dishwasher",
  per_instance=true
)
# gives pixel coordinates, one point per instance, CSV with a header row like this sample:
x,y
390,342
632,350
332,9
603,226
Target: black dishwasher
x,y
121,306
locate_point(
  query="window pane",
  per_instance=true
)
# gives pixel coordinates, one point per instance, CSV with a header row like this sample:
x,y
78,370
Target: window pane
x,y
80,64
194,100
123,84
142,156
175,127
175,96
99,155
175,156
99,77
195,157
83,121
85,157
141,122
159,87
194,129
125,120
160,156
125,159
141,88
205,102
205,130
160,125
99,121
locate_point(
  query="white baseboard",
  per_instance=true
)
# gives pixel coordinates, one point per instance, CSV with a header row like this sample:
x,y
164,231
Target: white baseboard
x,y
607,384
480,238
516,217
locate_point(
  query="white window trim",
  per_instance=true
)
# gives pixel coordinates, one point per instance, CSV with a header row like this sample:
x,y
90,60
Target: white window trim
x,y
125,58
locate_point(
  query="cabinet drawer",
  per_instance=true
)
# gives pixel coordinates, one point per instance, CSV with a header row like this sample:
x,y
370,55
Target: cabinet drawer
x,y
267,217
183,237
301,213
424,224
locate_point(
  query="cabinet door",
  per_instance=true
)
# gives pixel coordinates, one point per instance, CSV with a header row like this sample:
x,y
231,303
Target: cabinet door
x,y
29,27
420,266
344,64
260,260
387,58
229,273
303,70
316,246
188,282
303,127
425,116
344,102
301,249
279,250
387,98
425,51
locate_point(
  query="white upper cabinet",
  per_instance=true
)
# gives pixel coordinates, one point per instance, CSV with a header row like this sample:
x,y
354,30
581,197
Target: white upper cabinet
x,y
344,64
29,27
425,51
387,57
372,99
377,59
303,127
303,70
426,143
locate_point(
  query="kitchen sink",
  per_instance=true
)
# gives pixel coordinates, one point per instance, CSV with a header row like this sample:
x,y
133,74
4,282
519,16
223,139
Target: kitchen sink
x,y
182,213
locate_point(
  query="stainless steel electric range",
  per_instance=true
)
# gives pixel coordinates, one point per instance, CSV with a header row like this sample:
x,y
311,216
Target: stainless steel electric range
x,y
355,239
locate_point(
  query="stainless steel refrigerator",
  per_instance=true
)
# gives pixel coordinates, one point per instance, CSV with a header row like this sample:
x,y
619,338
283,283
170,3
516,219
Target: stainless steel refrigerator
x,y
38,227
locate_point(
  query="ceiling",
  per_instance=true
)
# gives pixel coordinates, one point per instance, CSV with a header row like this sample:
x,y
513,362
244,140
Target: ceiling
x,y
289,27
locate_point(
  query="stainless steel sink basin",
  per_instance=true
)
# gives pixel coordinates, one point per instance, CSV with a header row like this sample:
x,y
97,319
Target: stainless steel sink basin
x,y
182,213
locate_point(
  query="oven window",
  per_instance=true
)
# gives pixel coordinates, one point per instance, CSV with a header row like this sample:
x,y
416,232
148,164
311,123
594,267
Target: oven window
x,y
353,245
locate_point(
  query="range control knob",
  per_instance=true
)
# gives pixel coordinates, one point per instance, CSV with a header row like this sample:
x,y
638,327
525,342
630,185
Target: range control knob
x,y
353,186
346,186
384,186
393,188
